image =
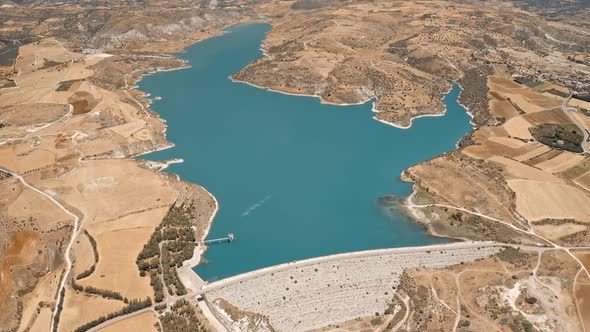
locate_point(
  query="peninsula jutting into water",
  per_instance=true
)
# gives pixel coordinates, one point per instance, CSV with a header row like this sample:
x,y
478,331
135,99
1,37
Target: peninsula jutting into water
x,y
294,178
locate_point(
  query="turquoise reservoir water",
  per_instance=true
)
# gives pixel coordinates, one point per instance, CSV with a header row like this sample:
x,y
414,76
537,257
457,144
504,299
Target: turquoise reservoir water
x,y
294,178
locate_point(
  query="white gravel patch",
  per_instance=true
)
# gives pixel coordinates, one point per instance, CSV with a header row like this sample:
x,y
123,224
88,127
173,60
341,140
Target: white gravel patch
x,y
304,295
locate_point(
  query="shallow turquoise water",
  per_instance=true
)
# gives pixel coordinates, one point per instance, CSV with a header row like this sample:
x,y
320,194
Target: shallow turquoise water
x,y
294,178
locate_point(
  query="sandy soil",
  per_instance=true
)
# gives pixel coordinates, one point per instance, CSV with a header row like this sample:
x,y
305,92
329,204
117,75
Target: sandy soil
x,y
584,181
519,127
541,200
81,308
118,251
480,191
583,295
538,150
44,293
144,322
99,189
84,257
560,163
30,204
21,250
47,150
555,233
42,321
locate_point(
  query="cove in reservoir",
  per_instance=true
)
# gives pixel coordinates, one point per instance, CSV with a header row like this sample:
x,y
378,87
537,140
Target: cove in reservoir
x,y
294,178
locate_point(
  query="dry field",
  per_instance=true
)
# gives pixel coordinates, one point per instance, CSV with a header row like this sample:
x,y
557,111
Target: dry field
x,y
118,246
556,233
68,128
473,185
518,127
584,180
546,188
32,240
42,320
118,201
21,250
70,119
23,206
84,254
80,308
145,322
534,172
583,294
537,149
537,200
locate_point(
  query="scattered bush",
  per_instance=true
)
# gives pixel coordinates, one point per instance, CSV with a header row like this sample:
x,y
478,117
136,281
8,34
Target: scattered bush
x,y
181,318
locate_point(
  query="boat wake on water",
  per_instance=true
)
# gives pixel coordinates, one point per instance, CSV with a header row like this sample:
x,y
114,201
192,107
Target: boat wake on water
x,y
256,205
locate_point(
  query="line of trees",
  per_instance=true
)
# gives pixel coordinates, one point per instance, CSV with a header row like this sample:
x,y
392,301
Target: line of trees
x,y
18,315
90,270
105,293
86,273
59,309
93,244
157,285
133,306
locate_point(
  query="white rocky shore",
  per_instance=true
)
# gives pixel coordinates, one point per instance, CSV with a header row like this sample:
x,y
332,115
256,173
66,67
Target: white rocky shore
x,y
313,293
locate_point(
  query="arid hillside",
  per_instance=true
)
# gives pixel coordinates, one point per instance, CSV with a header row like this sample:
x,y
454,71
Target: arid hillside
x,y
76,209
72,196
403,54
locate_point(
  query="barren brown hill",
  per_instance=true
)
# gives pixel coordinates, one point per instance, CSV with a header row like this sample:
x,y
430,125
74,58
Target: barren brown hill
x,y
404,53
72,198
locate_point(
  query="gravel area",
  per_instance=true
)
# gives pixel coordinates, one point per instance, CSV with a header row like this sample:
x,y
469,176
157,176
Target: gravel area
x,y
304,295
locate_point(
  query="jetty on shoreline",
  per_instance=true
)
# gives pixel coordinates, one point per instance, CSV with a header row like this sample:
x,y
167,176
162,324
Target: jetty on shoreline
x,y
229,238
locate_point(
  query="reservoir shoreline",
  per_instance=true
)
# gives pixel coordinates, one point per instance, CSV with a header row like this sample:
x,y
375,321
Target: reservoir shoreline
x,y
189,65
